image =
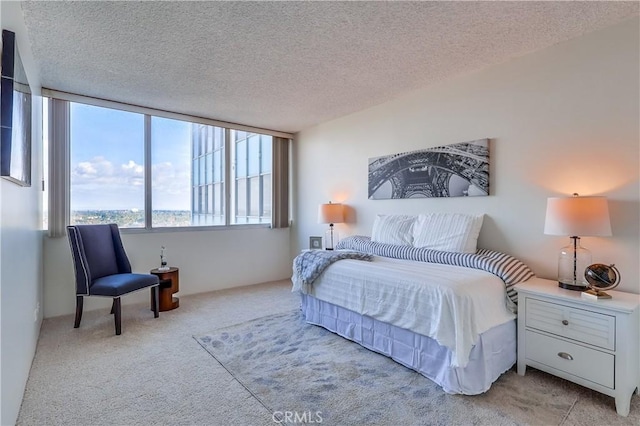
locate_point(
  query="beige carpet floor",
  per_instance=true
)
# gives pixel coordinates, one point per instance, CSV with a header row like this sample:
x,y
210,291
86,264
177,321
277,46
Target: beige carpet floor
x,y
155,373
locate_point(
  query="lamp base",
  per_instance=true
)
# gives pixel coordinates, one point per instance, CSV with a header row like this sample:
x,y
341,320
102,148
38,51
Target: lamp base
x,y
572,261
331,238
575,287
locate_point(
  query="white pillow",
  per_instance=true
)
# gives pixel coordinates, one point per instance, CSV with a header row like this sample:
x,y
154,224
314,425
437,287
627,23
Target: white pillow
x,y
393,229
455,232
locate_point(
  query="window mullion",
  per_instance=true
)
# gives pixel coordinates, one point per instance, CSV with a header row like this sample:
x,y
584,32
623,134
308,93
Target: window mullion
x,y
147,173
227,177
260,188
247,184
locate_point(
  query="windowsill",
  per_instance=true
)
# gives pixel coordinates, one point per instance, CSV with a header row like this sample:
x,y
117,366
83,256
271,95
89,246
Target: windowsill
x,y
45,232
194,228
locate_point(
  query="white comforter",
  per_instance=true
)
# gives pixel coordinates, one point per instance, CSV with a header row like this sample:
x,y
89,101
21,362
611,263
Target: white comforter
x,y
450,304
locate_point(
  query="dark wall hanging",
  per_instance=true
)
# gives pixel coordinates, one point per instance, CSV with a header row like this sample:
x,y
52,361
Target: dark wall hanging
x,y
15,111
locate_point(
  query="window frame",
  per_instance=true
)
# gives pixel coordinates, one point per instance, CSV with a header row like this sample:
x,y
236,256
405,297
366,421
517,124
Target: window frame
x,y
59,165
249,176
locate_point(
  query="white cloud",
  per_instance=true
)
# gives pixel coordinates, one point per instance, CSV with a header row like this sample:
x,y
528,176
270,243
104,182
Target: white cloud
x,y
97,166
86,168
114,181
100,171
133,173
168,179
131,166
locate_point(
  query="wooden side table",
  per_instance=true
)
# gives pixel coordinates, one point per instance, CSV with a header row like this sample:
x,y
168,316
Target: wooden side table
x,y
169,284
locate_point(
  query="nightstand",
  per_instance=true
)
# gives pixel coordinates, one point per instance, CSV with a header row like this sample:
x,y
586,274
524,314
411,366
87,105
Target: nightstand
x,y
169,284
594,343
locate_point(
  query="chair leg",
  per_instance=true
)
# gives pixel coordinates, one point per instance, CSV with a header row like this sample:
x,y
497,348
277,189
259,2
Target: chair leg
x,y
155,301
117,311
113,307
79,303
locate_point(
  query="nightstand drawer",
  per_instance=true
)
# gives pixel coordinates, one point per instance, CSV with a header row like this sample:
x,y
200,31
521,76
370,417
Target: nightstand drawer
x,y
577,324
589,364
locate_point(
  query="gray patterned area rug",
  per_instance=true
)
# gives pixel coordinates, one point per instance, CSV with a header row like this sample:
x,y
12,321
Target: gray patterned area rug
x,y
294,367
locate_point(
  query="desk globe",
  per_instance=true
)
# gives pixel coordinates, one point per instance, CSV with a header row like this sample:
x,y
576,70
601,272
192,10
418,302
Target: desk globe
x,y
600,278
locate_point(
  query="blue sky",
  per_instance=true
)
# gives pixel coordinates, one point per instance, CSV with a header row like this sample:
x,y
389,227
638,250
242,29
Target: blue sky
x,y
107,160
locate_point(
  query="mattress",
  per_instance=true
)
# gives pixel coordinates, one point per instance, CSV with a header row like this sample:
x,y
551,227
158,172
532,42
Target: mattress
x,y
493,354
452,305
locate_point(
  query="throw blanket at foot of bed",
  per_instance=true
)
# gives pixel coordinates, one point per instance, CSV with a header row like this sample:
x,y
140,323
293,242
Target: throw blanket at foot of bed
x,y
310,264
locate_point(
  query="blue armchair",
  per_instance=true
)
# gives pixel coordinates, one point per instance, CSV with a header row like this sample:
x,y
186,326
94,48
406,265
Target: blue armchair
x,y
103,269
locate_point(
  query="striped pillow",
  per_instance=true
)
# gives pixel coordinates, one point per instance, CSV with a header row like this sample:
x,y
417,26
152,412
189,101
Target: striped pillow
x,y
454,232
393,229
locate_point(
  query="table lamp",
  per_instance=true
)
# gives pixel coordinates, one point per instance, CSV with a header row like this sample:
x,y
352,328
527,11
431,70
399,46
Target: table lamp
x,y
576,216
330,213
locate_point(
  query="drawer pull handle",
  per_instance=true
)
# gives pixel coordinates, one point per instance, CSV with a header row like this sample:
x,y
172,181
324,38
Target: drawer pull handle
x,y
565,355
565,322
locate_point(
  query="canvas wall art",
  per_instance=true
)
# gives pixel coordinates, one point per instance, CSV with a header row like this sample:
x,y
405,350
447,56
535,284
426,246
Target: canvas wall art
x,y
15,115
456,170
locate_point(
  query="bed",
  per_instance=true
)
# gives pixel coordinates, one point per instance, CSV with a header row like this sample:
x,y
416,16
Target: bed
x,y
448,315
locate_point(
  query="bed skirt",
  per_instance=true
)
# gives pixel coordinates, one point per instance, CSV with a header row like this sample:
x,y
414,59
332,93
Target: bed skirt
x,y
493,354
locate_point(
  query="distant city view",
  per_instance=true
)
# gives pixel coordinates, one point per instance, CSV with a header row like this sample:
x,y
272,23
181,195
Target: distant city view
x,y
132,218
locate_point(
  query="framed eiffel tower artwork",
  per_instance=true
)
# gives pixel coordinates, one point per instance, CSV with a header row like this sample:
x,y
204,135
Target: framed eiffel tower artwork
x,y
456,170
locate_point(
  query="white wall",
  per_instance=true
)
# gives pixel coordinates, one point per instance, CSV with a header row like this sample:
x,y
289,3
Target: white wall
x,y
561,120
20,250
208,260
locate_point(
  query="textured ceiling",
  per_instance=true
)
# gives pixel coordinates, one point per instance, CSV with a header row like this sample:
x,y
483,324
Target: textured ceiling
x,y
287,65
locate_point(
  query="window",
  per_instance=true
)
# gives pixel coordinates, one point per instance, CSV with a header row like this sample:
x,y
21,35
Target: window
x,y
170,172
208,202
146,171
106,166
252,177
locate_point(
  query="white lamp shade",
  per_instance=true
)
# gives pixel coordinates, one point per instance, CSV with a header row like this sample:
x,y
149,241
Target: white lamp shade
x,y
577,216
330,213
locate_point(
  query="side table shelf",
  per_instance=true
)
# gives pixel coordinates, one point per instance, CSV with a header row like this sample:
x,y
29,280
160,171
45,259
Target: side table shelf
x,y
169,284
